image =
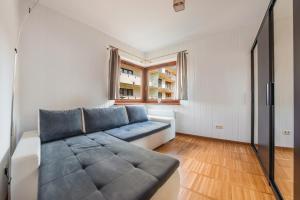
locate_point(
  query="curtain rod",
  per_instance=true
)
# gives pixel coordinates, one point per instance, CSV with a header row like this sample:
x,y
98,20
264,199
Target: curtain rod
x,y
143,59
131,54
154,58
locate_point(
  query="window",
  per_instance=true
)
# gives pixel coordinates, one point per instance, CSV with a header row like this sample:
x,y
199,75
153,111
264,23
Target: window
x,y
130,81
159,95
127,71
129,92
125,93
169,85
162,82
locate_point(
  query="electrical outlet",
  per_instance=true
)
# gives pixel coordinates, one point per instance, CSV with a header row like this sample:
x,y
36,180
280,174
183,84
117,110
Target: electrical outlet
x,y
286,132
219,127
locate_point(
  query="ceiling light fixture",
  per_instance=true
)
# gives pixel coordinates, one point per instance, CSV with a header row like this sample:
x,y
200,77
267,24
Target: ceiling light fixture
x,y
179,5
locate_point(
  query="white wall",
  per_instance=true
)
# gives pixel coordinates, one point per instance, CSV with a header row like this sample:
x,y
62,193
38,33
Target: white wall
x,y
219,85
284,73
12,13
62,64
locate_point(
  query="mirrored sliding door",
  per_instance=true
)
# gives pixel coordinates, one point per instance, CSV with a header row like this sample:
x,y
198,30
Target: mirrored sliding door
x,y
284,97
264,100
262,94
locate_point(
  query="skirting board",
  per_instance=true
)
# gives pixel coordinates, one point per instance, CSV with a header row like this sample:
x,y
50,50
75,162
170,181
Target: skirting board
x,y
209,138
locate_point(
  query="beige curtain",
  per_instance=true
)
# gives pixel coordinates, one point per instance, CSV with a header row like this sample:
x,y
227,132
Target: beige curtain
x,y
182,85
114,74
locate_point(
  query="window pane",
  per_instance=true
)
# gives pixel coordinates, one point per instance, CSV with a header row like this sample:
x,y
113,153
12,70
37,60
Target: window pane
x,y
130,82
162,83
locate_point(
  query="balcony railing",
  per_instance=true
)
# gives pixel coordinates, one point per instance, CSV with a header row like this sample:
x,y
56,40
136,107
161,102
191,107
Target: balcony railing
x,y
130,79
167,77
129,97
153,84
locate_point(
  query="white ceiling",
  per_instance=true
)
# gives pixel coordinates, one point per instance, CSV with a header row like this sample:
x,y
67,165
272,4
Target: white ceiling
x,y
152,24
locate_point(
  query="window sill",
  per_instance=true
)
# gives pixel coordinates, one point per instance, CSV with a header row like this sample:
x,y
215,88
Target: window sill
x,y
134,102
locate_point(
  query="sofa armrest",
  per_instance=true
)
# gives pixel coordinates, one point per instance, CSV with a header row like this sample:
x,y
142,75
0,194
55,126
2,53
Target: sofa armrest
x,y
25,164
169,120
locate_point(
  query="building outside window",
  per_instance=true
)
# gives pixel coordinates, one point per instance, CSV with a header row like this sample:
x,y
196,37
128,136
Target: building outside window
x,y
130,81
162,83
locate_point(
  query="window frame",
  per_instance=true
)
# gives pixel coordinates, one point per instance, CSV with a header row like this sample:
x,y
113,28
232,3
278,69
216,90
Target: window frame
x,y
144,86
130,72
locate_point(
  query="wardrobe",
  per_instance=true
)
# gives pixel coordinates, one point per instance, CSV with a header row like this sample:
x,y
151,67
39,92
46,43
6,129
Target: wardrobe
x,y
275,89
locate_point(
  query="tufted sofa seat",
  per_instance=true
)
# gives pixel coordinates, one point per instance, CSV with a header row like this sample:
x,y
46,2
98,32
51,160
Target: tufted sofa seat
x,y
137,130
99,166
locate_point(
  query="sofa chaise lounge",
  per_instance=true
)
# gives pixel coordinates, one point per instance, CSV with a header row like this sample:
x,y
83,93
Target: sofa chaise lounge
x,y
96,154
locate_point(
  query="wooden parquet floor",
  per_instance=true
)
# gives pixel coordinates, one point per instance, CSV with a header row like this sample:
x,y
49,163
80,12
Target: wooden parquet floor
x,y
284,171
212,169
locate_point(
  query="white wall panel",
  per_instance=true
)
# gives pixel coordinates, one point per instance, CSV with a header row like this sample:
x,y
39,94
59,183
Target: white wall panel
x,y
219,85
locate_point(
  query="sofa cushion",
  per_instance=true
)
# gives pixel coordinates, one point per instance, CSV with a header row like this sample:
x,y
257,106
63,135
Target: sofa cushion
x,y
99,119
136,114
56,125
108,168
74,186
135,131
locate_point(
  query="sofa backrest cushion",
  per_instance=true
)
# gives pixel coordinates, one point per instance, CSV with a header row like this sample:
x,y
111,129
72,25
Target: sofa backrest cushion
x,y
136,114
100,119
56,125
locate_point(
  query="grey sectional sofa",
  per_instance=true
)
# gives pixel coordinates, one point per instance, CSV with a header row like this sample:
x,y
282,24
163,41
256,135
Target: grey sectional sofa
x,y
86,155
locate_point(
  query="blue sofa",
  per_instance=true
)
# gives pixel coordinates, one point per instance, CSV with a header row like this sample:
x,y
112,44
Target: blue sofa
x,y
87,154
